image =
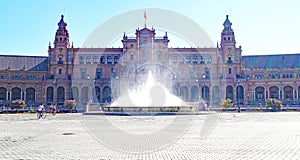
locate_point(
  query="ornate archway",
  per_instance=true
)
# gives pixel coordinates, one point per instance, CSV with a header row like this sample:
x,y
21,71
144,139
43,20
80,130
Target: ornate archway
x,y
16,93
205,93
229,92
75,93
184,93
240,94
288,92
30,94
3,93
50,94
60,95
216,97
274,92
106,94
85,94
259,92
194,94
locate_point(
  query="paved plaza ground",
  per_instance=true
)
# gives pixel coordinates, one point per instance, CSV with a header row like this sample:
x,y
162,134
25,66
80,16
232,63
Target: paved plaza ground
x,y
268,135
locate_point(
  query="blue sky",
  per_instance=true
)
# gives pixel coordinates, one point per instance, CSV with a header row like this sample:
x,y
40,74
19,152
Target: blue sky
x,y
261,27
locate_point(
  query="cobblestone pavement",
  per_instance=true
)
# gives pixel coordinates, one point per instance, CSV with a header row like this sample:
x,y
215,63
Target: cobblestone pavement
x,y
69,136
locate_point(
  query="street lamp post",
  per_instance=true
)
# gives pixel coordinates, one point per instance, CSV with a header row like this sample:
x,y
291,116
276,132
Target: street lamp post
x,y
204,98
239,108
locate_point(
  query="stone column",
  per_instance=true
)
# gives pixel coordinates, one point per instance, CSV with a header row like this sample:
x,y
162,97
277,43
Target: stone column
x,y
265,94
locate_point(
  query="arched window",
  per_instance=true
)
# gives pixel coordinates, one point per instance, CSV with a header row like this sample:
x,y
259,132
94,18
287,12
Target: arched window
x,y
116,59
60,60
109,60
81,60
195,60
102,60
201,60
188,60
95,60
181,60
88,60
144,43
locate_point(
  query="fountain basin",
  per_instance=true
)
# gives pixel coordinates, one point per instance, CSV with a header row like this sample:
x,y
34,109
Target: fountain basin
x,y
149,109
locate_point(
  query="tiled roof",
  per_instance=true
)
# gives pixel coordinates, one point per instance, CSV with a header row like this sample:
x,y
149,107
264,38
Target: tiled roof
x,y
271,61
14,62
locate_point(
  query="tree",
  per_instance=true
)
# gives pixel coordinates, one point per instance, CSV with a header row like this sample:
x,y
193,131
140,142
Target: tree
x,y
69,104
226,103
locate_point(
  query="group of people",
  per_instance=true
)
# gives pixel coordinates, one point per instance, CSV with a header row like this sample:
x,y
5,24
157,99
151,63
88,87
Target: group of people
x,y
52,109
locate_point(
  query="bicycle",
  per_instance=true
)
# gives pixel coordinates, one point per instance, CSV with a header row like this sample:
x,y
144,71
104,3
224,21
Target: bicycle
x,y
41,115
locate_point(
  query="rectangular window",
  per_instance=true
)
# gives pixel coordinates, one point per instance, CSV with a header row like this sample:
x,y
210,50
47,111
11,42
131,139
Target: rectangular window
x,y
145,57
59,71
83,73
131,45
229,70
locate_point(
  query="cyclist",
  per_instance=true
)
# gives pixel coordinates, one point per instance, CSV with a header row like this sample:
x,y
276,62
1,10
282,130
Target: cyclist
x,y
41,110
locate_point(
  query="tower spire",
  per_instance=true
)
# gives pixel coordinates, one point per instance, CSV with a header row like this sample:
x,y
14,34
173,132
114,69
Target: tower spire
x,y
62,35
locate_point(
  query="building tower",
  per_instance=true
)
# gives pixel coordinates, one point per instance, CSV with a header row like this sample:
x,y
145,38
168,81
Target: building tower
x,y
230,54
61,62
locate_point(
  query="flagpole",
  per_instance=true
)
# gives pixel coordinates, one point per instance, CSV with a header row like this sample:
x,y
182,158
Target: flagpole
x,y
145,18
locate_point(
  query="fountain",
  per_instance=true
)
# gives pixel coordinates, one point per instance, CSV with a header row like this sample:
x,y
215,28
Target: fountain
x,y
150,97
